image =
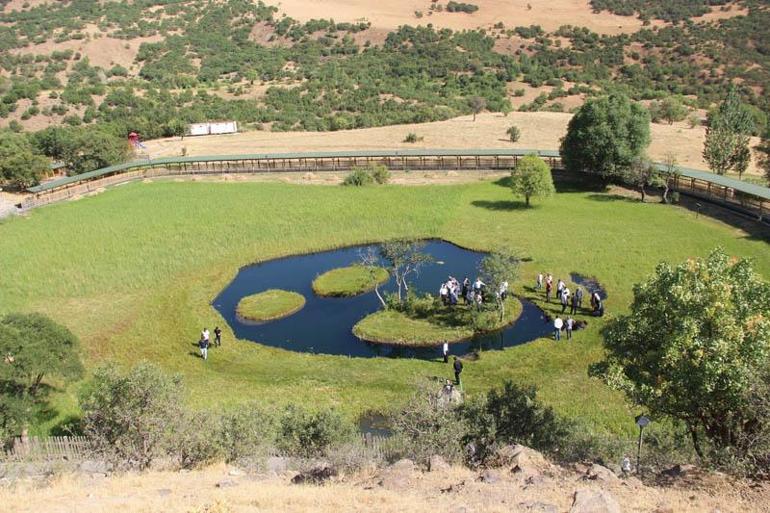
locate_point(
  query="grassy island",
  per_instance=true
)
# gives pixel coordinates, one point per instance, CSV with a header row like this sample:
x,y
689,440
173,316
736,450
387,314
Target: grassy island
x,y
349,281
270,305
431,324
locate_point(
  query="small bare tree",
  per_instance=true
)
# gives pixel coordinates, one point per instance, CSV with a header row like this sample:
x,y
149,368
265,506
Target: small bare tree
x,y
403,258
670,172
371,261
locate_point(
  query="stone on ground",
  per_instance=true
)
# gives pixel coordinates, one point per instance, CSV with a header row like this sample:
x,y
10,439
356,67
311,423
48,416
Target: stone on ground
x,y
594,501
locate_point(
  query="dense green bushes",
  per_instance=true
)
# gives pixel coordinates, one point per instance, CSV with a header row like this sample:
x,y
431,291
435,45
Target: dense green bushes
x,y
461,7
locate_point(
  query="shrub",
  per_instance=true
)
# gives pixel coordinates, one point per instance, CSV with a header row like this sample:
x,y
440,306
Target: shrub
x,y
131,417
358,178
196,442
461,7
411,137
310,434
429,425
380,174
247,431
513,133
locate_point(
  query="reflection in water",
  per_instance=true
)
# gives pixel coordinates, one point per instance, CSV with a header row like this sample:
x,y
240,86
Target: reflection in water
x,y
325,325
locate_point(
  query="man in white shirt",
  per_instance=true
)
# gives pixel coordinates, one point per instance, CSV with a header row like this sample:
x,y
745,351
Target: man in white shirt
x,y
445,350
557,326
205,334
570,323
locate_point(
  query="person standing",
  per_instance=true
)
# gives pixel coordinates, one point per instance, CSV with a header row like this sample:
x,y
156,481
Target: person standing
x,y
539,282
465,289
203,345
458,367
564,299
574,303
504,290
205,335
218,336
559,287
570,323
548,288
445,351
579,297
558,324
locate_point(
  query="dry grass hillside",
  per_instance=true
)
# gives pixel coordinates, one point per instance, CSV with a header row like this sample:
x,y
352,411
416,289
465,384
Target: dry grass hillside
x,y
219,489
541,130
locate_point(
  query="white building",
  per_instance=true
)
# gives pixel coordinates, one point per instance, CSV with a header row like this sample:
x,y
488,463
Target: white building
x,y
213,128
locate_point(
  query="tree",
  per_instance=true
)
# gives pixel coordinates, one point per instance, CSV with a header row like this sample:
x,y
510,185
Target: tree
x,y
696,336
532,177
669,109
642,174
605,135
33,349
132,416
727,136
764,158
495,269
513,133
20,166
310,433
93,148
402,258
670,172
477,104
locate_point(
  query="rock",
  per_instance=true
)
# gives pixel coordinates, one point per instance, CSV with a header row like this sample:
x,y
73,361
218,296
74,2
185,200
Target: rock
x,y
93,467
437,463
600,473
277,464
633,482
164,492
538,507
521,460
679,470
316,475
489,476
398,476
236,472
98,475
663,508
594,501
226,483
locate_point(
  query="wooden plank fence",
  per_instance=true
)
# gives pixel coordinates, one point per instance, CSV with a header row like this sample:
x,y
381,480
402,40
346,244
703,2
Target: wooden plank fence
x,y
51,448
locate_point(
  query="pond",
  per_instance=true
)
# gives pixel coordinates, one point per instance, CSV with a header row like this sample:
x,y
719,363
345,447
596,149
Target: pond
x,y
325,324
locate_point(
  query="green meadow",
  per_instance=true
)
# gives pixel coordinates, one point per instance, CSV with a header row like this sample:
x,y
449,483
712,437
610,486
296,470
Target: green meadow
x,y
133,272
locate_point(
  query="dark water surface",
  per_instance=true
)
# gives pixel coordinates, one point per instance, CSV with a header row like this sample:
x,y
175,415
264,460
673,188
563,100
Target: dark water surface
x,y
325,325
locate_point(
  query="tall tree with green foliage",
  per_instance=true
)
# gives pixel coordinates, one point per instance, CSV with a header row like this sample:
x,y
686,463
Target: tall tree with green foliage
x,y
92,148
726,147
532,177
764,158
20,165
669,109
695,339
477,104
33,348
605,135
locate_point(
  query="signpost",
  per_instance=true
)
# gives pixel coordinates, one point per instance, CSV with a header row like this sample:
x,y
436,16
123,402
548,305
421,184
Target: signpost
x,y
641,421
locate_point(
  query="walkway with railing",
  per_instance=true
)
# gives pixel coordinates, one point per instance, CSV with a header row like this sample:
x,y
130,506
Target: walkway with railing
x,y
743,197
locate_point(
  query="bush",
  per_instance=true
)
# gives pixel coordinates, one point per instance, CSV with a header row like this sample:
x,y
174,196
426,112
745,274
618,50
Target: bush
x,y
358,178
411,137
461,7
380,174
196,442
310,434
429,425
513,133
246,431
132,417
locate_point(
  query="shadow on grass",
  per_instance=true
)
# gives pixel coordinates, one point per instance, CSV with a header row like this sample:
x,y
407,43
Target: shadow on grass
x,y
612,197
500,205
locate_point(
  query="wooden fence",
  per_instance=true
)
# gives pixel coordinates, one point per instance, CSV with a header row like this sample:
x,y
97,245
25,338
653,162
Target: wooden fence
x,y
78,448
51,448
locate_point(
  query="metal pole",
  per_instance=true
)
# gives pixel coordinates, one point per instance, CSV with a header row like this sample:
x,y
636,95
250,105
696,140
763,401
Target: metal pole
x,y
639,449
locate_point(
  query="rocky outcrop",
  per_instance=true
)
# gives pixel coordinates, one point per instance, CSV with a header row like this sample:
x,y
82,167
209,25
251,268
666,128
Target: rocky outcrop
x,y
602,474
437,464
521,460
316,475
398,476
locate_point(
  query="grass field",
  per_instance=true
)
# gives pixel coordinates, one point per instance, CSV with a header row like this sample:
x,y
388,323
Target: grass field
x,y
133,271
349,281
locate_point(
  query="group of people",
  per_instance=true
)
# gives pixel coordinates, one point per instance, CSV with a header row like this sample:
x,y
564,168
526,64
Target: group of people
x,y
452,290
205,341
566,297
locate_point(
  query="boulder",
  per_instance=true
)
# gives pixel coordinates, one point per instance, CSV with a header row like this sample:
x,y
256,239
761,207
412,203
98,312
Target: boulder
x,y
538,507
594,501
316,475
521,460
437,463
235,472
226,483
93,467
600,473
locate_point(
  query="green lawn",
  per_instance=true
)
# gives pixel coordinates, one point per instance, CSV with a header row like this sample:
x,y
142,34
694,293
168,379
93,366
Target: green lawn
x,y
133,272
270,305
438,324
349,281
